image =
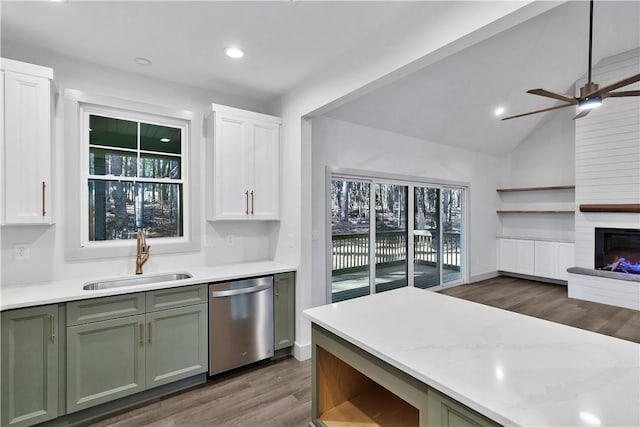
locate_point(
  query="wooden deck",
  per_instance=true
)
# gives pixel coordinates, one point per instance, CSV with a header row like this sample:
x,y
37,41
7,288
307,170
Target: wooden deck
x,y
355,284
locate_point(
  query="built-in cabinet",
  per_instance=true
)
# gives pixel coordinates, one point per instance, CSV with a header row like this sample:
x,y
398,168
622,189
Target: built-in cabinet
x,y
284,310
121,345
542,258
27,100
244,153
29,365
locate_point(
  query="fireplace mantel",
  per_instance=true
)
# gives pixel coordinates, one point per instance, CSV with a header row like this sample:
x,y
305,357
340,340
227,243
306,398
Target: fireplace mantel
x,y
613,207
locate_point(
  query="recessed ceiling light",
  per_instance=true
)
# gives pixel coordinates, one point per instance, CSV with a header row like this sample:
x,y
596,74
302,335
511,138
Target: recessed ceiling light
x,y
498,111
142,61
165,140
234,52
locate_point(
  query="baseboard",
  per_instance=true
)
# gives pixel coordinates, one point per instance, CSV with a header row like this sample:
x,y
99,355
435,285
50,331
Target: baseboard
x,y
483,276
302,351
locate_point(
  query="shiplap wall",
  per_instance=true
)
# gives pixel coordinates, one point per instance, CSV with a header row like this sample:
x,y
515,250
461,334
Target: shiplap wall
x,y
608,156
607,171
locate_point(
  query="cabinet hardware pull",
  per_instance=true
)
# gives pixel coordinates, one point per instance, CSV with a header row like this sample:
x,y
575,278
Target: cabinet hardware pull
x,y
52,328
252,202
277,288
149,333
246,197
44,186
141,326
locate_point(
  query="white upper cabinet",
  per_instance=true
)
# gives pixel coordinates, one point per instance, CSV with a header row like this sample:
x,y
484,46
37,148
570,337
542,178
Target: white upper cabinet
x,y
25,155
244,153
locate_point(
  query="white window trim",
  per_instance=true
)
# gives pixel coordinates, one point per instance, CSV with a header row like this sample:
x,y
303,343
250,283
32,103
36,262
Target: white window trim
x,y
77,106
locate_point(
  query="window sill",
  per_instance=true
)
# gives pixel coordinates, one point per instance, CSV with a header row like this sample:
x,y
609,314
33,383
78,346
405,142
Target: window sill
x,y
127,249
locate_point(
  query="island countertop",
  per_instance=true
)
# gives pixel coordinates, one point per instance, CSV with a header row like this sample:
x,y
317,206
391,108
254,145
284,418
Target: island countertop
x,y
32,294
512,368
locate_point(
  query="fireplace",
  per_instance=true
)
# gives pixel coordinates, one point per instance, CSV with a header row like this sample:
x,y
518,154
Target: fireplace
x,y
617,249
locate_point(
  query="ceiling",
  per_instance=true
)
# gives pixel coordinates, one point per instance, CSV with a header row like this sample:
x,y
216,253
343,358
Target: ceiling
x,y
453,101
289,43
285,42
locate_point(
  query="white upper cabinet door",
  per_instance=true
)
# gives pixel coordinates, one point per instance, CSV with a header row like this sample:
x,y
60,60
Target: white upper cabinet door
x,y
231,164
545,259
265,147
26,148
566,259
246,162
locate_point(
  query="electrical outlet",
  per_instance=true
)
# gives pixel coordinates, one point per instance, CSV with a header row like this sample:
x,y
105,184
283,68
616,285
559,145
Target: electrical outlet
x,y
230,240
21,252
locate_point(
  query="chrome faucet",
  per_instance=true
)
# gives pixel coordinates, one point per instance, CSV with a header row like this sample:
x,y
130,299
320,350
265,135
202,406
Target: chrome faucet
x,y
142,254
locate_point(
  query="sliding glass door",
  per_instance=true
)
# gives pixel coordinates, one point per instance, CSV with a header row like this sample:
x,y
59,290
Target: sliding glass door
x,y
391,236
408,241
350,229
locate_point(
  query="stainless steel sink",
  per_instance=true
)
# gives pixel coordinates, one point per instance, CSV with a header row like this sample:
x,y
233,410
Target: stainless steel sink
x,y
135,280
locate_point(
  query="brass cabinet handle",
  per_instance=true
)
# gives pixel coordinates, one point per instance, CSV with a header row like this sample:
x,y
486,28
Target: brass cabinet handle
x,y
52,327
252,202
149,333
44,187
141,326
277,288
246,197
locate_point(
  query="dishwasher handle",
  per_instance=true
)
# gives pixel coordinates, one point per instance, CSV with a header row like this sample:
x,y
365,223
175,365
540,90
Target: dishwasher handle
x,y
232,292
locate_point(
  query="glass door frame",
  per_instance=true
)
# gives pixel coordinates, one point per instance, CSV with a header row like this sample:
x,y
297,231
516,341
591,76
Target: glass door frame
x,y
332,173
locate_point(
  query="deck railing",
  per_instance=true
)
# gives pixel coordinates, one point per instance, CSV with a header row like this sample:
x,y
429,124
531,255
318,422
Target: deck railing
x,y
351,251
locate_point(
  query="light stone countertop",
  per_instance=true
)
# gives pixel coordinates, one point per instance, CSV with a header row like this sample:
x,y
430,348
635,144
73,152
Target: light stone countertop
x,y
512,368
32,294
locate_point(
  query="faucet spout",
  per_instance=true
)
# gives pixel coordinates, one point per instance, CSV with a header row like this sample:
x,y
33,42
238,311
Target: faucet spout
x,y
142,253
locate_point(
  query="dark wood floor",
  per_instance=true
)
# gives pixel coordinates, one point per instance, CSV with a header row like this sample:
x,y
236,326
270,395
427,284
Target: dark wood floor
x,y
279,394
550,302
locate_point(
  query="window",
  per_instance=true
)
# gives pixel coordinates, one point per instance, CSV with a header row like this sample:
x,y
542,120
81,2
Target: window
x,y
133,175
382,238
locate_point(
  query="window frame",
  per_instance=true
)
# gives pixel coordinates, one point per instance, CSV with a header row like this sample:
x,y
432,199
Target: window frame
x,y
86,110
76,161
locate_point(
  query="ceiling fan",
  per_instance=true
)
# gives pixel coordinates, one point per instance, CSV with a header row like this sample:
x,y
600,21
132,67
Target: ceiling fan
x,y
591,94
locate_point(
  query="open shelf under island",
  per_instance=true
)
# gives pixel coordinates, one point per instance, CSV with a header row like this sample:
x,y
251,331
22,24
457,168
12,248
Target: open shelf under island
x,y
411,357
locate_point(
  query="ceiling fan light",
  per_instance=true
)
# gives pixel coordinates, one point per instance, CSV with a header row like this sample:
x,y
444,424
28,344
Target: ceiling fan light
x,y
590,103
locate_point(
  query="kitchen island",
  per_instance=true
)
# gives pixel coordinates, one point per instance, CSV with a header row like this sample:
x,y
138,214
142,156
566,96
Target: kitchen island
x,y
414,357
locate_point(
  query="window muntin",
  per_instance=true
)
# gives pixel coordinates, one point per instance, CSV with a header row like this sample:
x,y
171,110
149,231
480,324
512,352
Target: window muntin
x,y
134,178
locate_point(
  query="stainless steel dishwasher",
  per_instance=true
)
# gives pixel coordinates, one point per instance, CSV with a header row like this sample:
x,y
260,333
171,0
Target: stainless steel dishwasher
x,y
240,323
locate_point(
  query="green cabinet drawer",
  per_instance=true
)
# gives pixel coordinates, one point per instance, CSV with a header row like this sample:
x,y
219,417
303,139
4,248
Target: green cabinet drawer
x,y
98,309
176,297
29,366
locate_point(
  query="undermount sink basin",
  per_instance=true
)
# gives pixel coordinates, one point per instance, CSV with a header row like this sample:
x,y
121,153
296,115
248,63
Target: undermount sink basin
x,y
134,280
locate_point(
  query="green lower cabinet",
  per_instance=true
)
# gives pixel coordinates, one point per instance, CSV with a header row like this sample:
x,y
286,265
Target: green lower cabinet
x,y
105,361
29,366
284,301
176,344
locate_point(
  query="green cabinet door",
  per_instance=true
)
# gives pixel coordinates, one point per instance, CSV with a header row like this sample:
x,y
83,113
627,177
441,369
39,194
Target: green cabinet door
x,y
105,361
284,300
177,344
29,365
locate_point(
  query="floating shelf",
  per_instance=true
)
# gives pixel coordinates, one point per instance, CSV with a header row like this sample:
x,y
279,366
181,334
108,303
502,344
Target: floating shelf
x,y
614,207
534,212
553,187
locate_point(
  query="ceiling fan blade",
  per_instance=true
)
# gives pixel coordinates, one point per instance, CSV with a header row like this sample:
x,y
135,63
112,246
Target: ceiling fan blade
x,y
549,94
581,114
621,93
538,111
616,85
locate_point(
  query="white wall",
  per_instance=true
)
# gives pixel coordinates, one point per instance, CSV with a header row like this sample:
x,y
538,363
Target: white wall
x,y
546,157
252,241
347,145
